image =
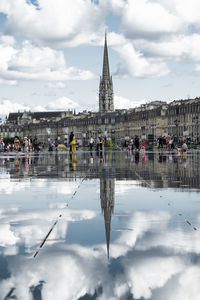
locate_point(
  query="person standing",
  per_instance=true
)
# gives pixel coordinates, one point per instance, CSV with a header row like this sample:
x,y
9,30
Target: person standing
x,y
91,143
56,144
101,144
160,142
1,145
16,143
98,144
73,145
70,140
137,142
26,145
184,149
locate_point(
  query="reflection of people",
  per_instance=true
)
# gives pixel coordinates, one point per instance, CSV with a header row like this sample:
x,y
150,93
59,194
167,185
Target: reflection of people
x,y
17,164
91,158
101,158
143,155
74,161
73,145
26,163
137,157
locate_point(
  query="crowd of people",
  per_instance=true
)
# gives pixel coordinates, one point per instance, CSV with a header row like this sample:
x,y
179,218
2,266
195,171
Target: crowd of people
x,y
16,144
29,144
165,143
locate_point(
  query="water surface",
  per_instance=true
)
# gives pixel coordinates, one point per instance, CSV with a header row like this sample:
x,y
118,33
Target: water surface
x,y
115,225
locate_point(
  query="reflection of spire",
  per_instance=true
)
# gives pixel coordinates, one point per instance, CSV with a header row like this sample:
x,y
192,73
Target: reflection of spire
x,y
107,188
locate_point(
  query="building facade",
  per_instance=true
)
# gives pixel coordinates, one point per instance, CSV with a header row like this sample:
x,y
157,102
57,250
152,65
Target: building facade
x,y
180,118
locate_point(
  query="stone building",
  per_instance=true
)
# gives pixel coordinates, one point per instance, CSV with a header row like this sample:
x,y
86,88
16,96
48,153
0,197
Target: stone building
x,y
180,118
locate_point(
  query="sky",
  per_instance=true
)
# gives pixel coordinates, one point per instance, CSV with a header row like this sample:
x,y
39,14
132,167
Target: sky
x,y
52,52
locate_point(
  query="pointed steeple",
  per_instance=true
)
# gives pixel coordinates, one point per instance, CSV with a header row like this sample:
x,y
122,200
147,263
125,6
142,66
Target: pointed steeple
x,y
106,71
106,85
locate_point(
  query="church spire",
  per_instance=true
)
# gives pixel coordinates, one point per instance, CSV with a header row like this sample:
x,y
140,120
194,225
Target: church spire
x,y
106,71
106,85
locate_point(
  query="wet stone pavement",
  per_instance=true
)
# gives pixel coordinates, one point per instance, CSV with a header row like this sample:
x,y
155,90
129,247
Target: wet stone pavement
x,y
110,226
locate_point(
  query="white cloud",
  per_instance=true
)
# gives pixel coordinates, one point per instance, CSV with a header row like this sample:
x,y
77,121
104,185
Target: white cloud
x,y
62,103
156,32
7,106
8,82
124,103
7,40
72,23
30,62
146,18
180,47
56,85
136,65
60,23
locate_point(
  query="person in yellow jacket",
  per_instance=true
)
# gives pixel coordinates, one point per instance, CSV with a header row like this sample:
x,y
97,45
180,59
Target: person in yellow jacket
x,y
73,144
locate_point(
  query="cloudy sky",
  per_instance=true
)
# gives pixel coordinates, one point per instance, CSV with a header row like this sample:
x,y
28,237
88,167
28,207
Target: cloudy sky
x,y
52,51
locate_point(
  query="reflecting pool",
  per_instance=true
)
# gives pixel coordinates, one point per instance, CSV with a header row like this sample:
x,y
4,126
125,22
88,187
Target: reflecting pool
x,y
112,225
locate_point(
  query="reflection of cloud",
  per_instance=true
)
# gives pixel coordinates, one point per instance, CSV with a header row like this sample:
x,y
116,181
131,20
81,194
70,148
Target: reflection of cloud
x,y
31,227
68,272
123,186
7,237
147,259
147,274
8,186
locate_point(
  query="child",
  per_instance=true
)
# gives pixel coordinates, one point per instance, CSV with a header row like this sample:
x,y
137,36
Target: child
x,y
184,149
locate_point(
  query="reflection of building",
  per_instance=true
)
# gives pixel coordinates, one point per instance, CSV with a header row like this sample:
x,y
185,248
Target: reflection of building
x,y
107,196
160,170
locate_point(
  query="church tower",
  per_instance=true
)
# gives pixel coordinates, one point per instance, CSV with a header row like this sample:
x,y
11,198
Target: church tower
x,y
106,86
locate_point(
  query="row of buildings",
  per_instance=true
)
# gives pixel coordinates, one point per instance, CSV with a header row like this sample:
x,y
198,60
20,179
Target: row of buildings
x,y
180,118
